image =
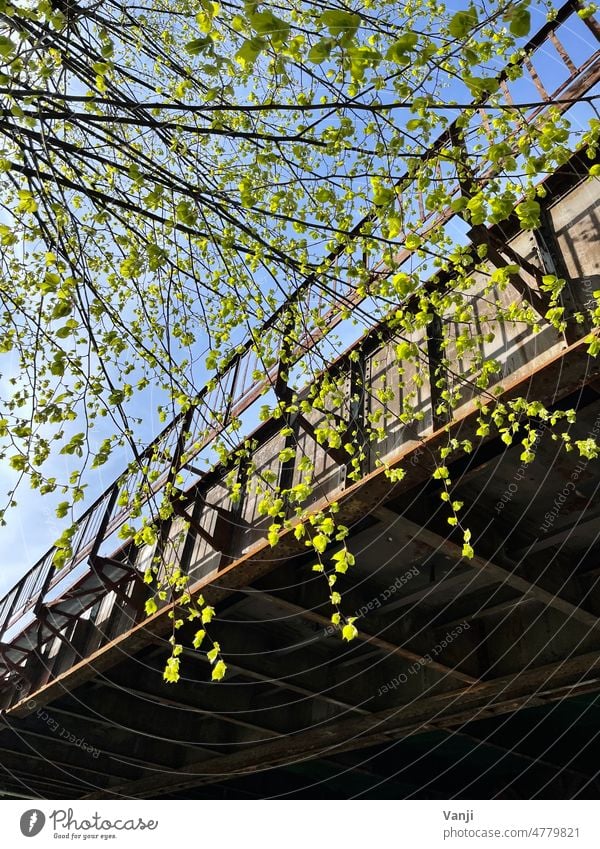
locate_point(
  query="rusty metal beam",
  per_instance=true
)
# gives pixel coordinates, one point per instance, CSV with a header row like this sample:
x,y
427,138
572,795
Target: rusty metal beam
x,y
363,636
122,757
58,765
492,610
97,720
187,707
558,769
279,683
560,532
502,575
446,710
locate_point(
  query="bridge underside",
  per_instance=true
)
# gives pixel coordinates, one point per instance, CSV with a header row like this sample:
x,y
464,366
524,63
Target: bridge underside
x,y
476,678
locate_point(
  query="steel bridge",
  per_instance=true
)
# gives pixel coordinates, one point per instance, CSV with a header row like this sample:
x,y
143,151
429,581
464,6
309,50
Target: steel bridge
x,y
475,677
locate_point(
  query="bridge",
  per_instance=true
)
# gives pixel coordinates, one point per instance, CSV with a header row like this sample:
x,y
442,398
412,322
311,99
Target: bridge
x,y
476,677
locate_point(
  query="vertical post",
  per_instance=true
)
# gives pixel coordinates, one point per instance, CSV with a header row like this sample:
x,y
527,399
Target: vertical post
x,y
357,411
438,376
11,607
114,492
281,388
366,406
45,587
231,398
235,518
286,470
284,393
165,524
554,263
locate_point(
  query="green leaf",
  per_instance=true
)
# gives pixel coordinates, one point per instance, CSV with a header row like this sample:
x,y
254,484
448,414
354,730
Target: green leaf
x,y
64,332
197,46
588,448
148,535
397,52
273,534
587,11
27,202
219,671
404,350
320,51
320,542
171,671
520,20
463,23
6,46
7,237
362,58
528,213
62,509
340,23
74,445
207,614
394,225
249,52
198,637
266,23
482,85
382,195
349,632
61,309
107,49
327,526
593,346
150,607
186,213
18,462
342,560
213,653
